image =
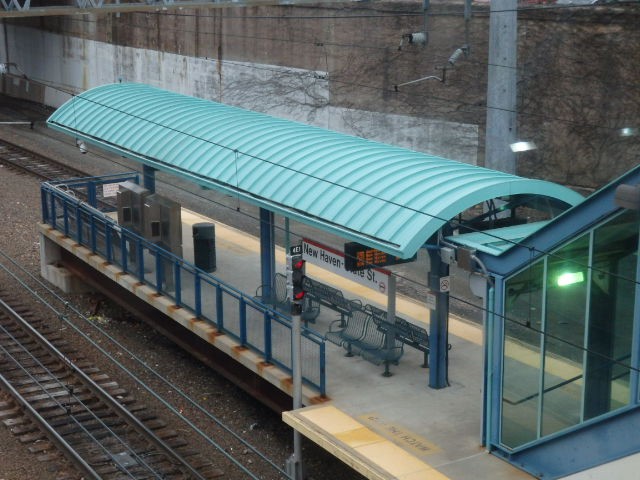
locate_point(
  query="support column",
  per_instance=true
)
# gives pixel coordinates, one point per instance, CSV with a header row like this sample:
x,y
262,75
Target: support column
x,y
267,251
439,324
501,86
149,178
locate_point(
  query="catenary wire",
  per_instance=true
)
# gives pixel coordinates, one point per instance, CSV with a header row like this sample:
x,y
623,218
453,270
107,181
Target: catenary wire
x,y
490,234
320,42
504,317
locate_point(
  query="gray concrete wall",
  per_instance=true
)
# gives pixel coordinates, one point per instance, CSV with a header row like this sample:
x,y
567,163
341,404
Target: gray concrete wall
x,y
75,64
336,65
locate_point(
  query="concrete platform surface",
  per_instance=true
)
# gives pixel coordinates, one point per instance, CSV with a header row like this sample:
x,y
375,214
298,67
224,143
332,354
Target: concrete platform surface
x,y
385,427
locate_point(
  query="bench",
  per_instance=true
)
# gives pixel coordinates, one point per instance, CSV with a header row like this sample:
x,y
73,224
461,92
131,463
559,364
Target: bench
x,y
330,297
278,299
406,332
346,331
363,335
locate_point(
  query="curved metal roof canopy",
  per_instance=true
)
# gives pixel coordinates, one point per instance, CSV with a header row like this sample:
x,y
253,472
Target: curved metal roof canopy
x,y
387,197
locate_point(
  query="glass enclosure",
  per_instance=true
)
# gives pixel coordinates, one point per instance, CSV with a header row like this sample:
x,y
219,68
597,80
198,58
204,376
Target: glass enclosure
x,y
568,330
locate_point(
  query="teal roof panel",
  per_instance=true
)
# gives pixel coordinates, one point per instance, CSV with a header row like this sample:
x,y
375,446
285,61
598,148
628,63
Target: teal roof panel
x,y
380,195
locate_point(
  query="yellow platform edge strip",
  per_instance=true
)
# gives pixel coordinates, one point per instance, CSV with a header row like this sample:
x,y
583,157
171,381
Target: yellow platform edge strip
x,y
356,445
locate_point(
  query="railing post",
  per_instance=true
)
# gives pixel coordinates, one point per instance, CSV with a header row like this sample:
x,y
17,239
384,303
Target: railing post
x,y
65,217
107,241
159,272
177,283
93,239
91,194
268,351
52,220
140,257
43,201
197,294
78,225
123,250
219,309
323,381
242,305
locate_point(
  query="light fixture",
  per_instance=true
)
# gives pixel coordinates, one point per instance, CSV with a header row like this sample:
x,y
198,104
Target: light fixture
x,y
518,147
628,132
81,146
570,278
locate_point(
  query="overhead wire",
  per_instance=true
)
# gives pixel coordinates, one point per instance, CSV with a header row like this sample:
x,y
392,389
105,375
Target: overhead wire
x,y
477,306
235,151
322,42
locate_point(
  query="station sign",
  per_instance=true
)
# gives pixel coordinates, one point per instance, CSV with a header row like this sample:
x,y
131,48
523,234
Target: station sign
x,y
334,261
360,257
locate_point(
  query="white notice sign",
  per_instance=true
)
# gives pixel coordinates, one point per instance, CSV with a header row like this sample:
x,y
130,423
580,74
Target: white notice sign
x,y
332,260
110,189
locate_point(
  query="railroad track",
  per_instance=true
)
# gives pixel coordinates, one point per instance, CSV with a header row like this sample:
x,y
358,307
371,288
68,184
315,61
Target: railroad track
x,y
60,402
32,163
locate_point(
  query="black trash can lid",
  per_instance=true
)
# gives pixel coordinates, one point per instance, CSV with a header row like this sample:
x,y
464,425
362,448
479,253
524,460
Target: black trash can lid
x,y
203,230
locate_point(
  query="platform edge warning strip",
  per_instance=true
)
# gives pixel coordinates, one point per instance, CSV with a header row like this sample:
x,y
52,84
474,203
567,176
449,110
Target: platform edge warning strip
x,y
364,450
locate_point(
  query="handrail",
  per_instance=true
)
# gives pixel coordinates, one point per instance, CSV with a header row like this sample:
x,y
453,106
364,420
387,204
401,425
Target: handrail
x,y
60,205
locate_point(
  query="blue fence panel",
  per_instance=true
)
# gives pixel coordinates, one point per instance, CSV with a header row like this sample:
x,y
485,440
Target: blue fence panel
x,y
208,300
252,323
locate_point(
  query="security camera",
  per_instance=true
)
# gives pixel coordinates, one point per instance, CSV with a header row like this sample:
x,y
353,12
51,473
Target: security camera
x,y
417,38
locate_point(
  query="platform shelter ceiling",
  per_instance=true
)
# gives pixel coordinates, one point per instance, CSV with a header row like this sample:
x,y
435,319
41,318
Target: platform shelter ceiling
x,y
386,197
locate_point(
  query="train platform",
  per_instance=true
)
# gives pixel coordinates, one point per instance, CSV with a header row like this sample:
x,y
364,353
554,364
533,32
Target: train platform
x,y
384,427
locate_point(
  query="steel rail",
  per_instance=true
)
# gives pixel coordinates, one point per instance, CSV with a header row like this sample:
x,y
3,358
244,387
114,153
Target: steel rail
x,y
65,170
102,394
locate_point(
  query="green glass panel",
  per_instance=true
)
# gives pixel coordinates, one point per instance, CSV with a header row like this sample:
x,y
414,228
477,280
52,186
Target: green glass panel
x,y
521,369
611,315
566,296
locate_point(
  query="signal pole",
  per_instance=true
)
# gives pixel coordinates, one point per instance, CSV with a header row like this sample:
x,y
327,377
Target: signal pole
x,y
295,278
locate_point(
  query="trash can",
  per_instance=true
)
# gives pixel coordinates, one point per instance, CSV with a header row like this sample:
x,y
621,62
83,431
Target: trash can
x,y
204,246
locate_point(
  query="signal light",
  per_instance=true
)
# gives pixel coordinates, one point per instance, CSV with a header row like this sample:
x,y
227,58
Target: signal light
x,y
297,278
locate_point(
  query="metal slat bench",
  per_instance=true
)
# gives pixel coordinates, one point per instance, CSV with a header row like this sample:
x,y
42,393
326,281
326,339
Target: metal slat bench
x,y
343,333
406,332
330,297
278,299
362,335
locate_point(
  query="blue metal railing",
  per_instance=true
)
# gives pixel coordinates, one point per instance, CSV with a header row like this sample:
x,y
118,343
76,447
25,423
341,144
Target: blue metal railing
x,y
79,209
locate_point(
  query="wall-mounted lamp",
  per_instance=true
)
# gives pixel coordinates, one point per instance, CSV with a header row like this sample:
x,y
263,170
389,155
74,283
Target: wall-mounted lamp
x,y
81,146
518,147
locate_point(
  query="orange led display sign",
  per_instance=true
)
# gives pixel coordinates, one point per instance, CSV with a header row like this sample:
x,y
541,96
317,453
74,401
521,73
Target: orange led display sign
x,y
360,257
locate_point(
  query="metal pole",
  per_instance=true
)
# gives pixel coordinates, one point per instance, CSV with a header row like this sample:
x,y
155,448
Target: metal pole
x,y
439,324
295,466
501,86
149,178
391,299
294,462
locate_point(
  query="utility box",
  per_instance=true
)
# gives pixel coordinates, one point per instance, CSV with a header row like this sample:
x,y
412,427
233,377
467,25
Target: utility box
x,y
204,246
162,223
130,201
